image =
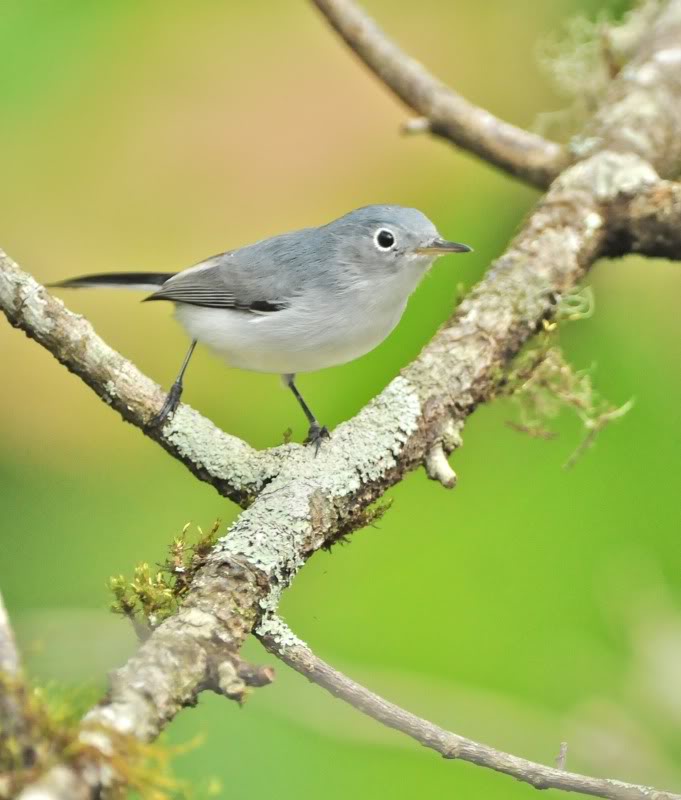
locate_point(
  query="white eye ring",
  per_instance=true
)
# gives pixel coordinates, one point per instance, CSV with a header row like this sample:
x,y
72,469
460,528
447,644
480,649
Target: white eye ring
x,y
384,239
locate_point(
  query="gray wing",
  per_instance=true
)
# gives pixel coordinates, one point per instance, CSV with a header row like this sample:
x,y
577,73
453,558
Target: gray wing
x,y
222,282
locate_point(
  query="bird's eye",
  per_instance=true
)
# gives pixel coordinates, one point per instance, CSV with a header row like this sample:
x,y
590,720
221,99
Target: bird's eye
x,y
384,239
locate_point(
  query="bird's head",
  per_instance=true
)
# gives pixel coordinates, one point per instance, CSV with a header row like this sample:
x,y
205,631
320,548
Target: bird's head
x,y
390,239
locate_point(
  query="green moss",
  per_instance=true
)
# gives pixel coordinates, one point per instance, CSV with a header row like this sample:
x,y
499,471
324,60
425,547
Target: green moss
x,y
46,731
41,732
155,594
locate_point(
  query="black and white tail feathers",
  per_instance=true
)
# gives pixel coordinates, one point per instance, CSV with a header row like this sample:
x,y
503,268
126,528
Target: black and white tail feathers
x,y
141,281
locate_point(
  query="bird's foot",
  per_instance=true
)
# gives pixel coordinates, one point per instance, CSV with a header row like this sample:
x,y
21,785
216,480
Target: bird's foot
x,y
315,435
169,407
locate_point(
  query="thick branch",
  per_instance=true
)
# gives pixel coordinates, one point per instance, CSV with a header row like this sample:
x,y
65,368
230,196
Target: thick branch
x,y
450,745
227,463
448,115
641,113
194,650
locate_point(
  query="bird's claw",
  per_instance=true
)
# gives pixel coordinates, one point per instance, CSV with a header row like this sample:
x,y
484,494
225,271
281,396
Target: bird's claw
x,y
169,407
316,434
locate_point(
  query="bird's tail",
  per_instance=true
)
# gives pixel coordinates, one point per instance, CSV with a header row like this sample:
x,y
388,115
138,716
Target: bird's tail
x,y
141,281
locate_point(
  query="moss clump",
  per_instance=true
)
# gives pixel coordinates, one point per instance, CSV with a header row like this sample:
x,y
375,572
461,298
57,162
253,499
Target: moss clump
x,y
46,727
46,731
40,728
154,594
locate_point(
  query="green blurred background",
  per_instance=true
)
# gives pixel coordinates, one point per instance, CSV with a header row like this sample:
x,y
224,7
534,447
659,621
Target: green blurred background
x,y
530,606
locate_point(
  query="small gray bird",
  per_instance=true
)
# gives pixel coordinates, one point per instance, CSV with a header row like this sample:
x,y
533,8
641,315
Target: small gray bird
x,y
300,301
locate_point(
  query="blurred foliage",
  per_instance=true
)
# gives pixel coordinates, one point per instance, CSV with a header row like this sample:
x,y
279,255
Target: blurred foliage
x,y
530,606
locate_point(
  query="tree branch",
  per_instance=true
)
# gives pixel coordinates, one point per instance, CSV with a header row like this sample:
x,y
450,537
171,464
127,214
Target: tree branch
x,y
283,644
641,113
446,113
226,462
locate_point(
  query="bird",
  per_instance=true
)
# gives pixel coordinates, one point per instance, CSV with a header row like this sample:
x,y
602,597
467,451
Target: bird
x,y
297,302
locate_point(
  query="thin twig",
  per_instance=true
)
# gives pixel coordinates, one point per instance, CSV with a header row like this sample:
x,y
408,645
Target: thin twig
x,y
283,644
561,758
443,111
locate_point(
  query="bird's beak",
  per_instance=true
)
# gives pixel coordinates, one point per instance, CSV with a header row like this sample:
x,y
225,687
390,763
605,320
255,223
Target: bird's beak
x,y
441,247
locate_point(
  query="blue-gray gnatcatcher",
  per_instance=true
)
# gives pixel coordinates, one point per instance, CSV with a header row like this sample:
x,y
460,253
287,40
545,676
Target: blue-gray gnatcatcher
x,y
297,302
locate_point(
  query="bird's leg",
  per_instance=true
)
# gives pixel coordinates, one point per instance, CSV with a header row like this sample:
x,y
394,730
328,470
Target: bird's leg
x,y
317,432
175,393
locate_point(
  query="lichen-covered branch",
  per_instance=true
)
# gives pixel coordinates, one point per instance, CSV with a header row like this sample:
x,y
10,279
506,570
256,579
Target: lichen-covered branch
x,y
195,650
641,113
444,112
226,462
283,644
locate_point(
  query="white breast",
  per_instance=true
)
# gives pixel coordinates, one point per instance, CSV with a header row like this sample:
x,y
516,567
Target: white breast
x,y
317,330
297,339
